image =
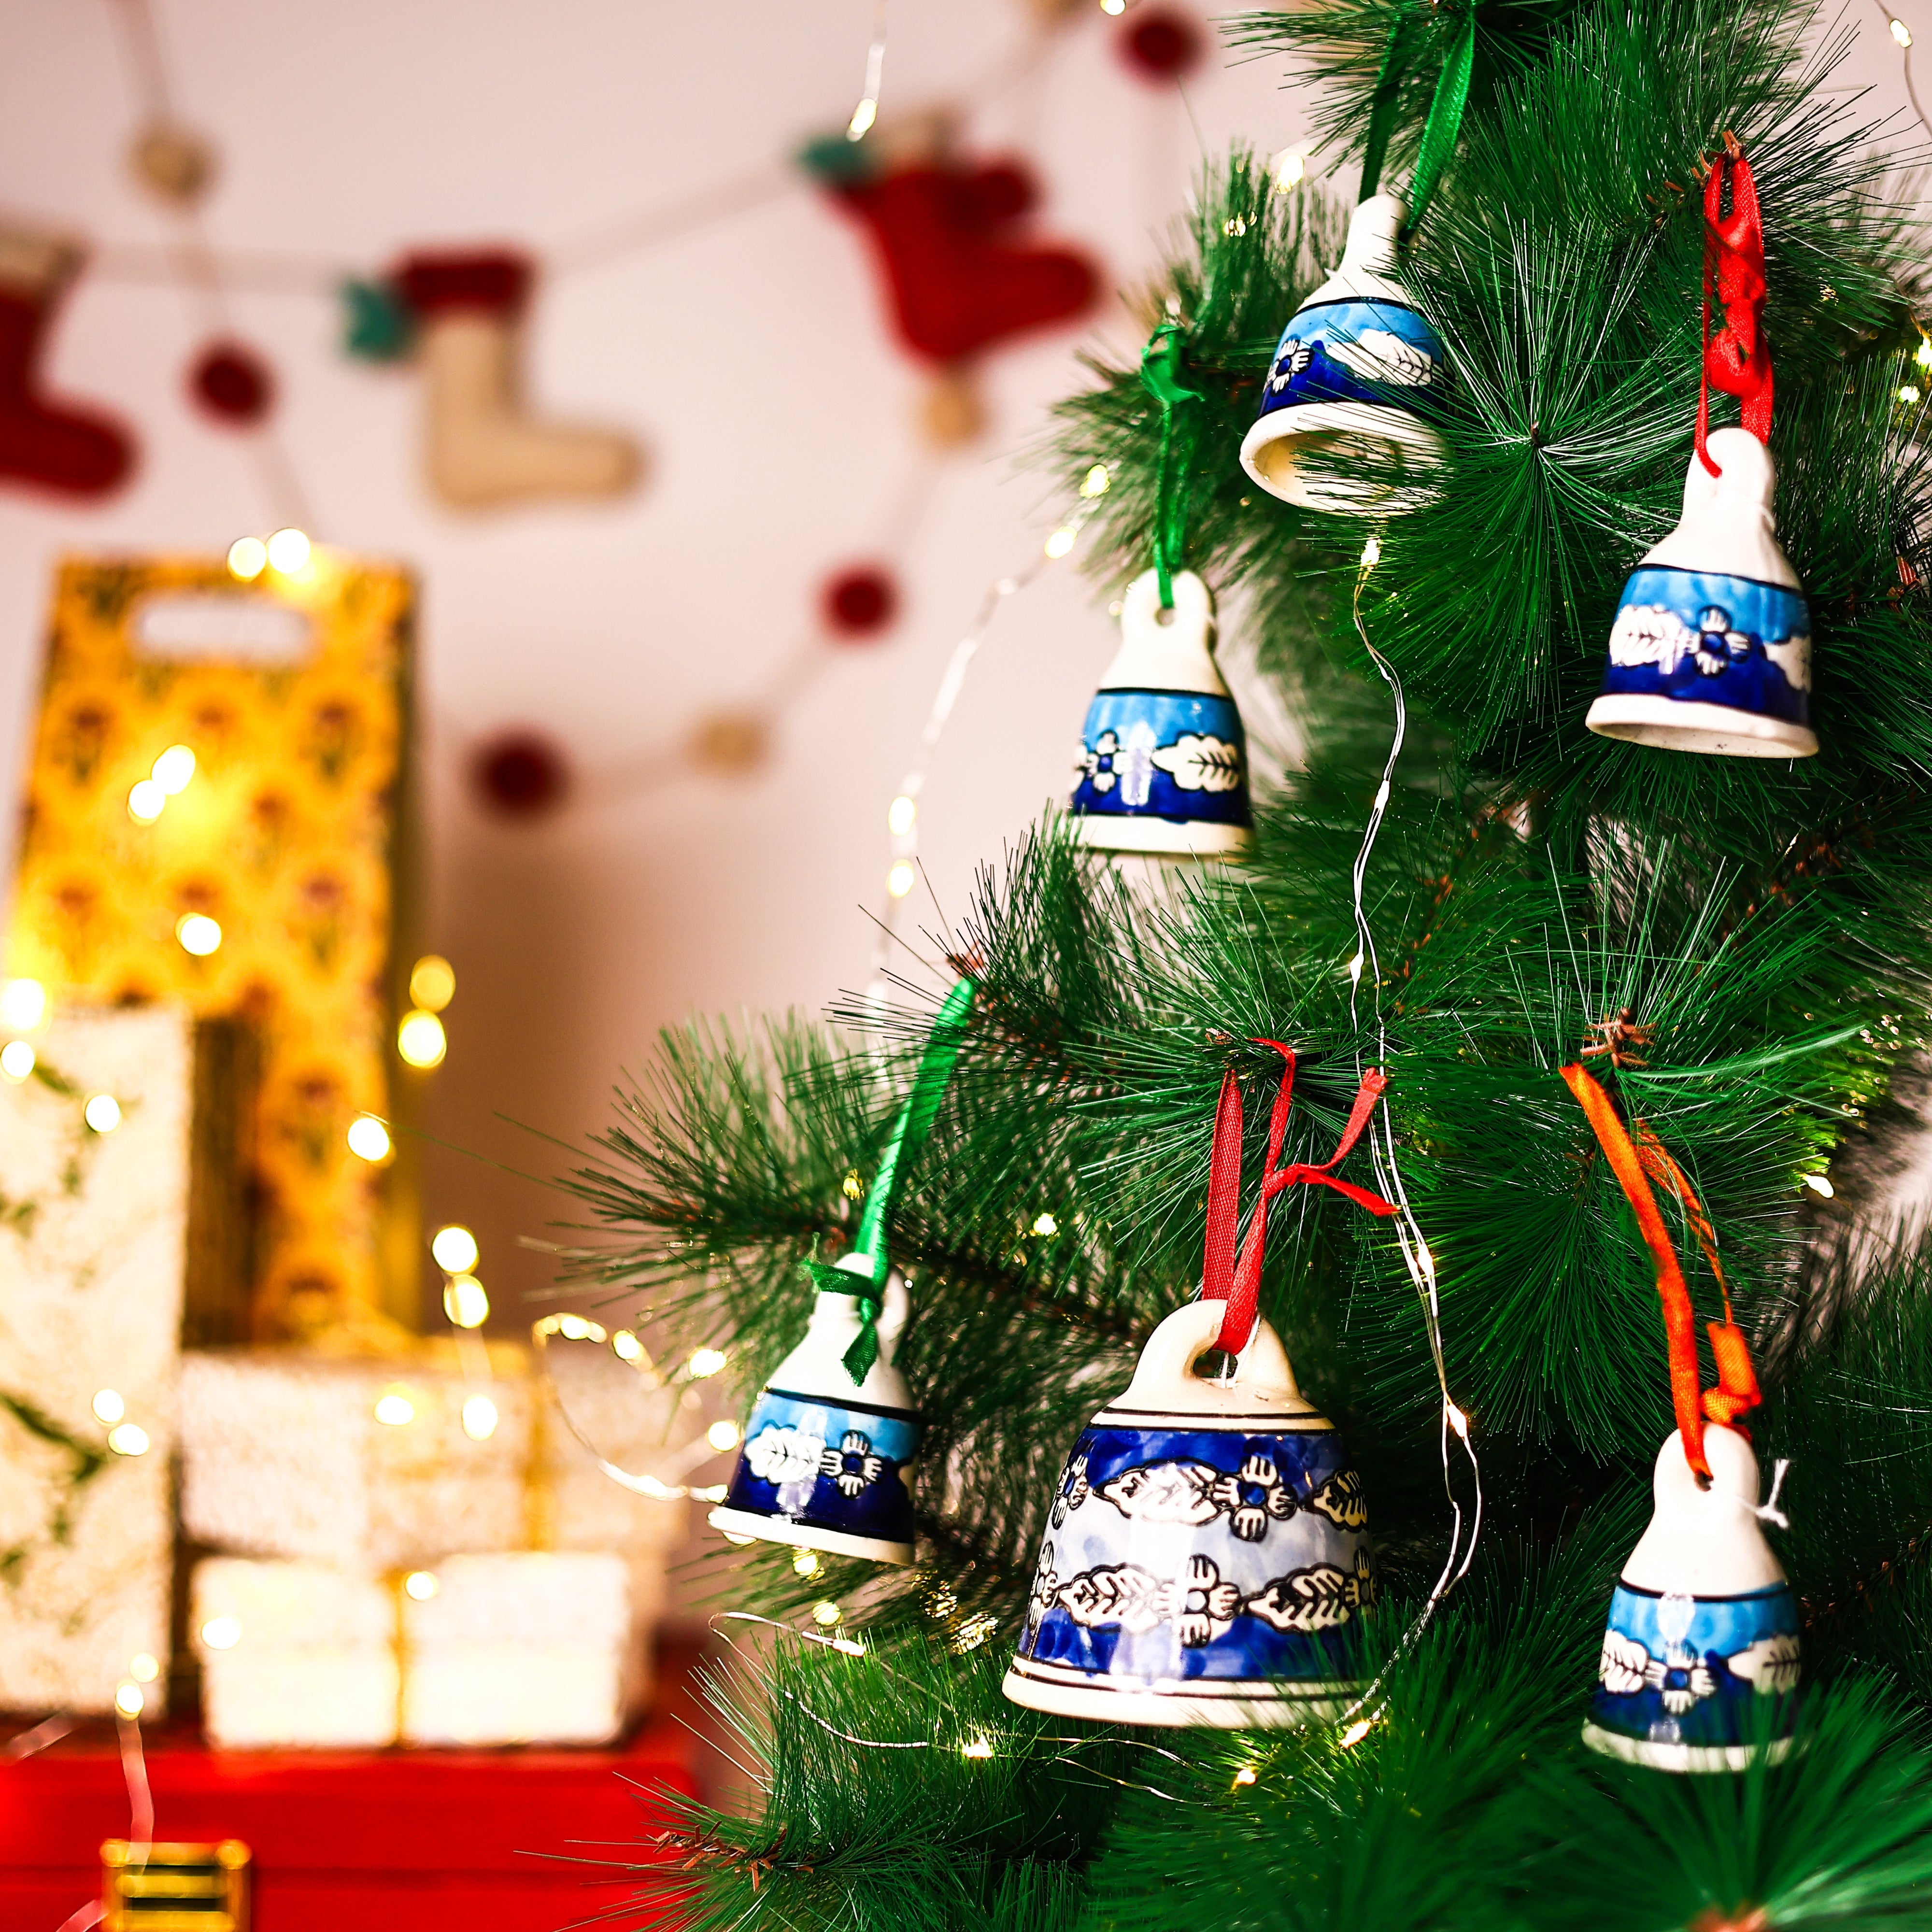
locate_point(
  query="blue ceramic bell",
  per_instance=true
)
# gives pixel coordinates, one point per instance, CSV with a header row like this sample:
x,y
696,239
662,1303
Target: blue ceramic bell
x,y
825,1461
1703,1625
1355,372
1208,1545
1711,647
1163,761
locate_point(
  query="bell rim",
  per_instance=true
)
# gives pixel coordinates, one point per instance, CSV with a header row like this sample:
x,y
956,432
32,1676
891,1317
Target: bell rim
x,y
1389,422
803,1536
1161,838
1692,724
1259,1704
1697,1759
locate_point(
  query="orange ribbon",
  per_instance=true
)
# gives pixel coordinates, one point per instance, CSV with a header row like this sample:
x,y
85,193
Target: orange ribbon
x,y
1635,1165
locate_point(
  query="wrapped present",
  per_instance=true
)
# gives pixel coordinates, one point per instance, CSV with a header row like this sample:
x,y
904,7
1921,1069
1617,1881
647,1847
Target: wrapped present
x,y
375,1465
294,1655
211,817
540,1648
94,1132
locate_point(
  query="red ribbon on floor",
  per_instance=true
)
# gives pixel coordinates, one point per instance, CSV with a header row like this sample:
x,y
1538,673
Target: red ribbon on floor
x,y
1239,1284
1737,359
1635,1165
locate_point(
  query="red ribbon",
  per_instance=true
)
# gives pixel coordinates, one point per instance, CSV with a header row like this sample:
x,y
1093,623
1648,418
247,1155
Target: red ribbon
x,y
1737,359
1636,1165
1239,1285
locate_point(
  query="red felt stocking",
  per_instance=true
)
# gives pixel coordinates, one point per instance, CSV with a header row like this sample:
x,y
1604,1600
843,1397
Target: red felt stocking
x,y
55,446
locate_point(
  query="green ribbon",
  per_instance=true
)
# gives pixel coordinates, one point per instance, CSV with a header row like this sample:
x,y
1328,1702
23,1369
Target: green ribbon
x,y
1439,131
908,1136
1160,377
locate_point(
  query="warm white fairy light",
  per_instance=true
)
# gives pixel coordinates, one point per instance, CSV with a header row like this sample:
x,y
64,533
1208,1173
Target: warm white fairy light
x,y
981,1747
866,114
1289,168
902,877
419,1585
1355,971
17,1059
479,1418
288,551
173,769
1908,392
420,1039
368,1139
466,1301
1095,482
626,1347
146,801
1371,553
432,982
900,815
143,1668
1113,6
198,934
722,1436
1246,1775
1356,1733
1923,356
706,1362
1820,1185
1045,1224
395,1409
827,1614
221,1632
1901,32
1459,1420
108,1406
1061,541
128,1438
23,1005
129,1699
247,558
806,1563
102,1113
455,1249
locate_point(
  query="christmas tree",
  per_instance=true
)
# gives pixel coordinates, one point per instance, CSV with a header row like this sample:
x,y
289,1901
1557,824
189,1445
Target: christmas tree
x,y
1728,953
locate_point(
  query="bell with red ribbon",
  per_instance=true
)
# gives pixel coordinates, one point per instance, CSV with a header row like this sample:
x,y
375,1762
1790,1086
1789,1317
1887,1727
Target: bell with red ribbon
x,y
1711,647
1700,1656
1208,1546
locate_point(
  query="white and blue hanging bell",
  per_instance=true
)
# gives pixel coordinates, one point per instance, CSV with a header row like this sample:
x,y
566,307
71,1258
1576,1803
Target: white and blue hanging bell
x,y
1711,647
1353,377
1162,766
1703,1629
825,1462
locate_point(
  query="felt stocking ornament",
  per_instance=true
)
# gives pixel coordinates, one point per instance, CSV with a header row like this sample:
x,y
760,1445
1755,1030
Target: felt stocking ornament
x,y
484,447
78,452
961,279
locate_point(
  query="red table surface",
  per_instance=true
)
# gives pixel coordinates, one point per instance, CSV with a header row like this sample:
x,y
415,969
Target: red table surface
x,y
361,1841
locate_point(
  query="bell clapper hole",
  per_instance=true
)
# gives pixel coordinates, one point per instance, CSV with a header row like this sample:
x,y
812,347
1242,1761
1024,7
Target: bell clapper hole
x,y
1217,1365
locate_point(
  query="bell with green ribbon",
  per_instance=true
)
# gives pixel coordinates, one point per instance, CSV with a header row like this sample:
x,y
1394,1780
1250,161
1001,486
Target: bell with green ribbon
x,y
828,1451
1345,417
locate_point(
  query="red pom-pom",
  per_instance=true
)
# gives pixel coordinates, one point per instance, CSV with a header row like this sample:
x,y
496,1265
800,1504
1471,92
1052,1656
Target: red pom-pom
x,y
520,774
861,602
232,383
1160,44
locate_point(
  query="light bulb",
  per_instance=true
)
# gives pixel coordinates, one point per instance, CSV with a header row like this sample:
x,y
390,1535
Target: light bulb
x,y
465,1302
1820,1185
129,1699
1924,357
173,768
1046,1225
198,934
1356,1733
863,115
455,1249
108,1406
129,1438
1246,1775
1094,483
980,1746
102,1113
395,1409
706,1362
900,815
1061,541
420,1040
722,1436
1290,169
1371,553
23,1004
247,558
368,1139
432,982
144,1669
1908,392
221,1632
805,1563
17,1059
573,1327
626,1347
288,551
826,1615
146,801
479,1418
902,878
1901,32
1113,6
420,1585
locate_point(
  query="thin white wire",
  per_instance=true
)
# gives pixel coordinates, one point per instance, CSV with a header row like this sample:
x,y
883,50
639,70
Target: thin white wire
x,y
867,112
1415,1254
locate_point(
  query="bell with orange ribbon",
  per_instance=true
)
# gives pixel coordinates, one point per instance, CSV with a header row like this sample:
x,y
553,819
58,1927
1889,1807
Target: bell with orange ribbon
x,y
1703,1623
1711,647
1208,1546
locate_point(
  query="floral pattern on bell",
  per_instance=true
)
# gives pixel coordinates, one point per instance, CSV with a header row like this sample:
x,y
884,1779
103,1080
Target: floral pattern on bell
x,y
1174,754
1201,1554
1711,638
1356,352
828,1465
1682,1670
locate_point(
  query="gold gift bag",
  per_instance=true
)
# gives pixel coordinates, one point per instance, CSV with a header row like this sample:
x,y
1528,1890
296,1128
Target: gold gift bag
x,y
291,693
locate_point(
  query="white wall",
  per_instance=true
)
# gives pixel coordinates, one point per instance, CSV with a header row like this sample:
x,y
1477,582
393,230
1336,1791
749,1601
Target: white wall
x,y
754,359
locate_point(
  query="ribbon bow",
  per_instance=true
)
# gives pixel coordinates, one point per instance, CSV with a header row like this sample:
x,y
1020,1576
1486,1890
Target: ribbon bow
x,y
1737,359
1635,1165
1239,1284
908,1136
